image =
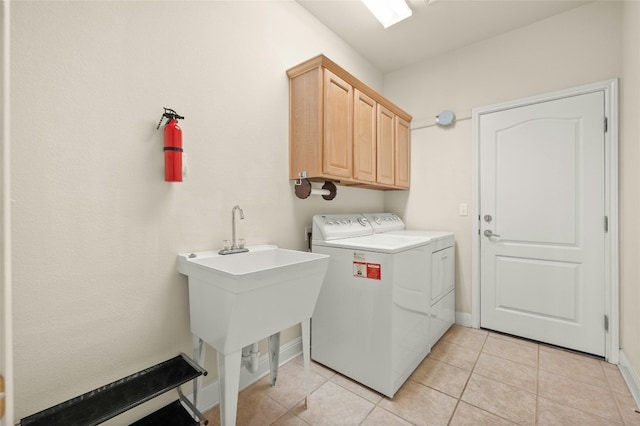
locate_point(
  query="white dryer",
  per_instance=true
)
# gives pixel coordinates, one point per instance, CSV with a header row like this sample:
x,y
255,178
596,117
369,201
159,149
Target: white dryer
x,y
443,280
371,320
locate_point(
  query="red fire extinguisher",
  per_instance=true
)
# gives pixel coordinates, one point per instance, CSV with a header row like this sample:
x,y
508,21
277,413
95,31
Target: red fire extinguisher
x,y
172,146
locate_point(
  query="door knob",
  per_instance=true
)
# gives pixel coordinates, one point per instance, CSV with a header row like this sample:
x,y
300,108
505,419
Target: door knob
x,y
490,234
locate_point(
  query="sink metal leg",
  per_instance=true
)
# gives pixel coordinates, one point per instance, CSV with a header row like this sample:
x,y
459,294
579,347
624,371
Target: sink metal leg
x,y
228,384
198,357
306,357
274,356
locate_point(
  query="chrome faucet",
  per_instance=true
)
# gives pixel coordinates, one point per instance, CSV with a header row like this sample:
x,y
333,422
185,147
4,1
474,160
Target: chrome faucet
x,y
234,245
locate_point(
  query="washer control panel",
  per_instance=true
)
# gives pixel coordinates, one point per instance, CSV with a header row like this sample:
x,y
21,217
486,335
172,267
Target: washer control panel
x,y
335,226
384,222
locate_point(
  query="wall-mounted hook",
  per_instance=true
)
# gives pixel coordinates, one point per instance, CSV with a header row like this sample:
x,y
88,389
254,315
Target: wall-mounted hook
x,y
301,175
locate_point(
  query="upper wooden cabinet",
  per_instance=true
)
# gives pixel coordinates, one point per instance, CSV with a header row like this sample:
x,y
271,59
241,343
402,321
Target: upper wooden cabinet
x,y
403,153
337,126
342,130
364,137
386,146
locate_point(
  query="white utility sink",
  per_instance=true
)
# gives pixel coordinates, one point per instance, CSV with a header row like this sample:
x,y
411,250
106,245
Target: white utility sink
x,y
238,299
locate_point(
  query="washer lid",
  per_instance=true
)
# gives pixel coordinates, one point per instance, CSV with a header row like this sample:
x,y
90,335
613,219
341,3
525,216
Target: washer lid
x,y
416,233
380,243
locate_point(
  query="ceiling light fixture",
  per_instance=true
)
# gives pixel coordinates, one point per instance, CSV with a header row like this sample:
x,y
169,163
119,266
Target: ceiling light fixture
x,y
388,12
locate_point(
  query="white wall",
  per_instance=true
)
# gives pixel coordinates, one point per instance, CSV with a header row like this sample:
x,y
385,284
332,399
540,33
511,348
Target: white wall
x,y
629,188
592,43
96,230
574,48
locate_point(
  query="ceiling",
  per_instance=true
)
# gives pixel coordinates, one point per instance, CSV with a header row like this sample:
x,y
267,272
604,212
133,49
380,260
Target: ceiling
x,y
436,26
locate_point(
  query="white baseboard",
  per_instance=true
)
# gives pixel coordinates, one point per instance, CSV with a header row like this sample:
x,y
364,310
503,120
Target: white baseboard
x,y
630,376
463,318
209,396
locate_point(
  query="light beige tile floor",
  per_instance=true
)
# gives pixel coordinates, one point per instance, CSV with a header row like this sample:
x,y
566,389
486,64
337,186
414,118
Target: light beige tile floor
x,y
471,377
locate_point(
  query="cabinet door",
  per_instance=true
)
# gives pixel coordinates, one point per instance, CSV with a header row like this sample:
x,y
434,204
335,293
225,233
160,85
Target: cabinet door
x,y
403,146
385,146
338,126
364,137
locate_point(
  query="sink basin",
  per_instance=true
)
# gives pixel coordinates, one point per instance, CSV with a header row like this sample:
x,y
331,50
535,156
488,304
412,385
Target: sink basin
x,y
238,299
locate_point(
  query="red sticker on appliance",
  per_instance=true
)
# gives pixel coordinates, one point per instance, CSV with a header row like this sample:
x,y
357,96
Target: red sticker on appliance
x,y
373,271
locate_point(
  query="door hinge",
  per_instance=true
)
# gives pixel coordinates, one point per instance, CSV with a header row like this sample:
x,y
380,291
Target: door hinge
x,y
606,124
606,323
606,224
2,397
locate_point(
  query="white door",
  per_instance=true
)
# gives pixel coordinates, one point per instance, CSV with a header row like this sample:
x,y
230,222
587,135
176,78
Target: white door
x,y
542,194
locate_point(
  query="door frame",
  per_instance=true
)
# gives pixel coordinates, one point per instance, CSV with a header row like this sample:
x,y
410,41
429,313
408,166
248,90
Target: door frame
x,y
6,326
610,88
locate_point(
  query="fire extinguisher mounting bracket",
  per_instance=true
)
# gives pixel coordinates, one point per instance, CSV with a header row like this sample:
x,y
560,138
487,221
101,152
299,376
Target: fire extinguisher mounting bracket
x,y
169,114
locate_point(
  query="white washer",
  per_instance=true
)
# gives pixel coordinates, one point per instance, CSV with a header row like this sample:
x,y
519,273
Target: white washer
x,y
443,298
371,321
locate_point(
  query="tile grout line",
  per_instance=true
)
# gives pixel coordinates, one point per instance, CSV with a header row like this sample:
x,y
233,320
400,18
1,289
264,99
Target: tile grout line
x,y
576,407
517,343
359,396
291,410
464,388
458,399
535,414
473,371
612,391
